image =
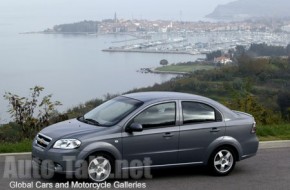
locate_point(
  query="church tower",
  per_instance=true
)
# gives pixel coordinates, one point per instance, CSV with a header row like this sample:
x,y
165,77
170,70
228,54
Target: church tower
x,y
115,18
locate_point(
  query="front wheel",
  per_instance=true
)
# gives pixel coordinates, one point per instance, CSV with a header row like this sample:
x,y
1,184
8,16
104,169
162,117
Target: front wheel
x,y
100,167
222,161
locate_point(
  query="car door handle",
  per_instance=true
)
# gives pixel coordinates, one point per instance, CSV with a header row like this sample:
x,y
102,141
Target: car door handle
x,y
168,135
214,130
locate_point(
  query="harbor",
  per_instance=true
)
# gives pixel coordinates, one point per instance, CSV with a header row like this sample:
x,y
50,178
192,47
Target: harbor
x,y
194,43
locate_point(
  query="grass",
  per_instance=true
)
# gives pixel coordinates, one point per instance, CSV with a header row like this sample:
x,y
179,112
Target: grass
x,y
22,146
273,132
184,68
265,133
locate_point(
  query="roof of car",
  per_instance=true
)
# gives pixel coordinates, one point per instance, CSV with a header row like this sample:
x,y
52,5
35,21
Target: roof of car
x,y
163,96
151,96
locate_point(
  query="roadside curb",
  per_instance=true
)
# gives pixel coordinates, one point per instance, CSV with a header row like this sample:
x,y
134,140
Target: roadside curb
x,y
274,144
14,154
262,145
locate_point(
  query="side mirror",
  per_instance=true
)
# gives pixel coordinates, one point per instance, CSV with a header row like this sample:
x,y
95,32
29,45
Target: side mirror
x,y
134,127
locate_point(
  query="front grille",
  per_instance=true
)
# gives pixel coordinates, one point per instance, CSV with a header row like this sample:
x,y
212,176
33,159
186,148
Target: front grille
x,y
42,140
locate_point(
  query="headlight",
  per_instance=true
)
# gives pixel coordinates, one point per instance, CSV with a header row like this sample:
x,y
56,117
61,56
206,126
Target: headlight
x,y
67,144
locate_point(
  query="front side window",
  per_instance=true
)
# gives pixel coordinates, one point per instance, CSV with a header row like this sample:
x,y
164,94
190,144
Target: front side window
x,y
195,112
112,111
161,115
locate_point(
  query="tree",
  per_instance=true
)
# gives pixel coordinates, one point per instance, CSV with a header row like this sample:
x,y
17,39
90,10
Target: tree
x,y
288,49
284,104
266,50
248,65
211,56
163,62
240,50
33,113
250,104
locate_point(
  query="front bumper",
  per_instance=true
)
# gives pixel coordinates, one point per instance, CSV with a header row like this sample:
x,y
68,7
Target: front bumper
x,y
57,160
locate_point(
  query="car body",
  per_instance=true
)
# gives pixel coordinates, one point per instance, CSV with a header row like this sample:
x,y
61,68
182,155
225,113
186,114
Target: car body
x,y
170,128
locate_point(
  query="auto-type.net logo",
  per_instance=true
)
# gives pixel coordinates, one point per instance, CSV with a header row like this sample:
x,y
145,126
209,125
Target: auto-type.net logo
x,y
24,174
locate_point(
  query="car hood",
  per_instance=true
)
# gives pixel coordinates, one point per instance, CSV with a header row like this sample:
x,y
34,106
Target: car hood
x,y
70,129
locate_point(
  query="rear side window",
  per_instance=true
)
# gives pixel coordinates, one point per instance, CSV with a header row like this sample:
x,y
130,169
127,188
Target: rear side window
x,y
161,115
195,112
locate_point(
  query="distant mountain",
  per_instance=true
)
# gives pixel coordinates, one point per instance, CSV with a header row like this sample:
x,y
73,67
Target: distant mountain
x,y
244,9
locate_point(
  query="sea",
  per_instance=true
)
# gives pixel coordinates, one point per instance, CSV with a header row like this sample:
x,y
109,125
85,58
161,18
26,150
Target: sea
x,y
71,67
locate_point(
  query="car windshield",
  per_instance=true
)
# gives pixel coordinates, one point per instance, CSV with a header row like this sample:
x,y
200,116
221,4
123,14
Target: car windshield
x,y
112,111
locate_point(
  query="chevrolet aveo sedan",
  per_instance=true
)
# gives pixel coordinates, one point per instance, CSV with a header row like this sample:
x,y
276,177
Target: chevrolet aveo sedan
x,y
171,129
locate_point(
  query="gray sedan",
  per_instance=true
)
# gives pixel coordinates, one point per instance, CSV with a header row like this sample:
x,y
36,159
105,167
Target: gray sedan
x,y
166,128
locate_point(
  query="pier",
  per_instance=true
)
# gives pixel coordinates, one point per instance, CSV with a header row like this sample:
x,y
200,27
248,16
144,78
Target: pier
x,y
150,51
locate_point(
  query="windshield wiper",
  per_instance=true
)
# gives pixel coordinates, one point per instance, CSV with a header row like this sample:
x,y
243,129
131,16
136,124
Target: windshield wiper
x,y
89,121
92,121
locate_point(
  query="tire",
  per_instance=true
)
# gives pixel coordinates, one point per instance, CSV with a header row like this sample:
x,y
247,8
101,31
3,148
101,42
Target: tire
x,y
222,161
100,167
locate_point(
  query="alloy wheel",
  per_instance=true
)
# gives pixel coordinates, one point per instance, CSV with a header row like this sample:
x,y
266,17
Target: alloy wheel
x,y
223,161
99,169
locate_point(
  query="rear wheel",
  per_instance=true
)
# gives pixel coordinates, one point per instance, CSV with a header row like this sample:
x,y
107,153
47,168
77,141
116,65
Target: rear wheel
x,y
222,161
100,167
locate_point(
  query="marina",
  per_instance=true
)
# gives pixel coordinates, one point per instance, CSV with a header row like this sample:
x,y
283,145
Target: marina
x,y
193,43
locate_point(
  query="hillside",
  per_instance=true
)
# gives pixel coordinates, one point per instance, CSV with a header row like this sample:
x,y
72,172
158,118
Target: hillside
x,y
78,27
244,9
256,85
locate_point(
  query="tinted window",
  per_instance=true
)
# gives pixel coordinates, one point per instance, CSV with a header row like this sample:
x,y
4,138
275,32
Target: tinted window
x,y
194,112
161,115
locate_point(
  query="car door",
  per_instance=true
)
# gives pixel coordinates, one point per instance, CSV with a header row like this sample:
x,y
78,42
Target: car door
x,y
201,125
159,138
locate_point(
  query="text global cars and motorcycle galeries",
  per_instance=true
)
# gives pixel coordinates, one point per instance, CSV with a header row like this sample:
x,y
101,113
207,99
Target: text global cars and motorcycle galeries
x,y
77,185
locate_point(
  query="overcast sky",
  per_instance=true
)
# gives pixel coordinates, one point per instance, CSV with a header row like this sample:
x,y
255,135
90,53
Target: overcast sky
x,y
74,10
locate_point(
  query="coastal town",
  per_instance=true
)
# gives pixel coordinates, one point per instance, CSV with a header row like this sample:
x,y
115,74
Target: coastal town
x,y
182,37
